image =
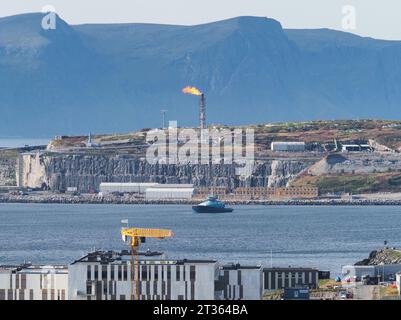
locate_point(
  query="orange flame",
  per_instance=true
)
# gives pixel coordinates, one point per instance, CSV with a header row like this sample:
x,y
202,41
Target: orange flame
x,y
192,90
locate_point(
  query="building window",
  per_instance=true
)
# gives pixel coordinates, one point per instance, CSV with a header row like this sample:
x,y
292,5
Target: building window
x,y
119,273
156,273
168,272
89,272
105,287
52,294
96,273
177,273
112,272
88,287
125,271
44,294
104,272
144,273
192,273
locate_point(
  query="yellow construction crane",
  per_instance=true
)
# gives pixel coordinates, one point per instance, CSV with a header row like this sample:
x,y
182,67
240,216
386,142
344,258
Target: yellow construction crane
x,y
134,237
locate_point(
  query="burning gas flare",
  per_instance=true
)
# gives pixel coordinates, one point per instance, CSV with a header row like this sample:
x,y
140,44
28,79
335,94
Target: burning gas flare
x,y
192,90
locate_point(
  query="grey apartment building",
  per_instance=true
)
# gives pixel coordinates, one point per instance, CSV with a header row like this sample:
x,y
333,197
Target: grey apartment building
x,y
280,278
238,282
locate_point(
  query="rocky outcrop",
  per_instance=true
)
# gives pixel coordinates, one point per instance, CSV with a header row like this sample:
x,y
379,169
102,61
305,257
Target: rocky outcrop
x,y
382,256
86,172
357,163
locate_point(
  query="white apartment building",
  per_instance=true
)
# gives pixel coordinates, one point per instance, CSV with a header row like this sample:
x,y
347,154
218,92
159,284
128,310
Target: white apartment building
x,y
28,282
106,275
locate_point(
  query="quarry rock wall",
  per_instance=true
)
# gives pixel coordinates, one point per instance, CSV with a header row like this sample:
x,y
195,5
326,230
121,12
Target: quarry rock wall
x,y
86,172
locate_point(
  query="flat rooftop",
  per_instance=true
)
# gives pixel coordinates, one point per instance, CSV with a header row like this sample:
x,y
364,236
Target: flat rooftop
x,y
239,267
34,269
148,257
286,269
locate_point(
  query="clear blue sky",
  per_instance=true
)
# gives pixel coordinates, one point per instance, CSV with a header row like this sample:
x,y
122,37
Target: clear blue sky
x,y
378,19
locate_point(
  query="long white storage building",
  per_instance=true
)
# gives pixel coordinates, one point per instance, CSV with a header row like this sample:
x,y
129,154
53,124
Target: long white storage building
x,y
170,192
125,187
287,146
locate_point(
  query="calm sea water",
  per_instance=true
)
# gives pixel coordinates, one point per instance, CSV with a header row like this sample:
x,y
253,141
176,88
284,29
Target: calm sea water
x,y
21,142
323,237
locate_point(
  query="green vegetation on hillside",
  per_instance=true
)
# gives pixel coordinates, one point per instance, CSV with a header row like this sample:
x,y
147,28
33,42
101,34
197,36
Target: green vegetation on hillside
x,y
367,183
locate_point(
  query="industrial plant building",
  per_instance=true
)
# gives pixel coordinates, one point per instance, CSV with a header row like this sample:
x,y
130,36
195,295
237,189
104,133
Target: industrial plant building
x,y
386,272
294,193
186,192
28,282
288,146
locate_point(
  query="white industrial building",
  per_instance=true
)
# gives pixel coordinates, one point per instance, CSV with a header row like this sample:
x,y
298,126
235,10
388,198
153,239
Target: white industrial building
x,y
106,275
287,146
170,192
125,187
151,191
355,147
28,282
385,271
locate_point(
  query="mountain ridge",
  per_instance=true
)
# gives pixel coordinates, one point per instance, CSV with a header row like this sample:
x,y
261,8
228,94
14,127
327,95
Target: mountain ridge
x,y
102,77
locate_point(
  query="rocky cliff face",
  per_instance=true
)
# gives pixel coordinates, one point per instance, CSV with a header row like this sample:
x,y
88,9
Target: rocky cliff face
x,y
8,171
86,172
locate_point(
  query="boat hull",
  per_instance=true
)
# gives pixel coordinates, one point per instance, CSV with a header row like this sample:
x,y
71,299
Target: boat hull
x,y
206,209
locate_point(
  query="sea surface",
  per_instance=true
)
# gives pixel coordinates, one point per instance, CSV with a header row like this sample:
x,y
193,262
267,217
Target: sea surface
x,y
322,237
22,142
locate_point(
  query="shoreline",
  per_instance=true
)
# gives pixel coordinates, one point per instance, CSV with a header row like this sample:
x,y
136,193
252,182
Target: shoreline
x,y
94,199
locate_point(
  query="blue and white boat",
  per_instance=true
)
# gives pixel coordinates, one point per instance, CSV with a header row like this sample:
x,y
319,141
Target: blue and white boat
x,y
211,205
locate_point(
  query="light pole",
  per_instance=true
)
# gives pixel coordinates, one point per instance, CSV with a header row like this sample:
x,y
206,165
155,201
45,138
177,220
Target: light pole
x,y
163,112
271,258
